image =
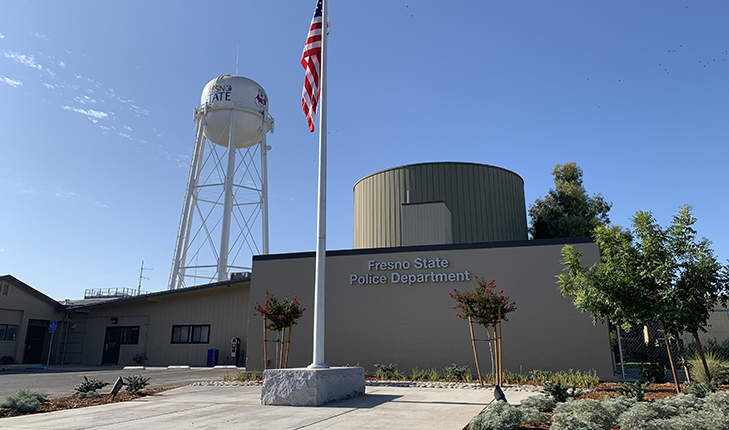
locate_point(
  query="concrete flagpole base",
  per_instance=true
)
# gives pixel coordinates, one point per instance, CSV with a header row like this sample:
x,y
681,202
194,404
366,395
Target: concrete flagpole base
x,y
311,387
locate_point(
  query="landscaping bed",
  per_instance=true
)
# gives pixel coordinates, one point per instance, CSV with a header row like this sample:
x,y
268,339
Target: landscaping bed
x,y
73,402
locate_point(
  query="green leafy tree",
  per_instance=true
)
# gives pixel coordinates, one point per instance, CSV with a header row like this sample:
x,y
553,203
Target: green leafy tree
x,y
664,275
567,210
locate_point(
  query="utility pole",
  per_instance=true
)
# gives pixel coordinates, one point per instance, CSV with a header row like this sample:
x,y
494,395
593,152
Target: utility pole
x,y
141,276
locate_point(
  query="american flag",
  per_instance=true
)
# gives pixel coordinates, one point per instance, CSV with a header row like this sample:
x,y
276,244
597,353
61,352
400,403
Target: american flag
x,y
311,60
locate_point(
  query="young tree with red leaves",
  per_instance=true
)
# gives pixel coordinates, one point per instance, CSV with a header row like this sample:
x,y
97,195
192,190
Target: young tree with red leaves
x,y
279,316
488,308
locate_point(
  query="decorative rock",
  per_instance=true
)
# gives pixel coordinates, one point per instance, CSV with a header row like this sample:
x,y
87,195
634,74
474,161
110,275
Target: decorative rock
x,y
311,387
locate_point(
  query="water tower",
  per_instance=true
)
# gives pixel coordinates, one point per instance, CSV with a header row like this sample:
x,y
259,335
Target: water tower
x,y
225,213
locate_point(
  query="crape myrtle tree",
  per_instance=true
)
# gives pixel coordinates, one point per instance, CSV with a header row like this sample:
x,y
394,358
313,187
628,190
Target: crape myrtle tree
x,y
648,276
567,210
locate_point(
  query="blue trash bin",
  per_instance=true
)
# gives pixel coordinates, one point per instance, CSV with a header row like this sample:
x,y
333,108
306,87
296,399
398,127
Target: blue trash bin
x,y
213,357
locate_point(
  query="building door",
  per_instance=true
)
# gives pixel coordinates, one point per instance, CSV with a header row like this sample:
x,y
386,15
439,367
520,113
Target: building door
x,y
112,342
34,341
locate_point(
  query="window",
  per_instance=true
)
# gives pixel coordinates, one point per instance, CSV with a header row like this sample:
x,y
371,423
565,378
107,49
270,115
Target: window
x,y
130,335
8,332
4,288
190,333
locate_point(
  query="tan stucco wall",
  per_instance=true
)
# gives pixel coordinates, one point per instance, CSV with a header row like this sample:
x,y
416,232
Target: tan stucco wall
x,y
414,325
224,308
17,307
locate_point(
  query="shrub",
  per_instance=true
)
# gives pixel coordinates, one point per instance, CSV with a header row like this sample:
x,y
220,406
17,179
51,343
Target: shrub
x,y
618,405
24,401
638,417
514,378
90,385
454,373
540,402
256,376
560,392
587,379
425,374
87,395
653,372
701,389
135,383
684,403
387,371
570,422
633,389
497,416
589,411
7,359
533,417
717,402
718,368
539,376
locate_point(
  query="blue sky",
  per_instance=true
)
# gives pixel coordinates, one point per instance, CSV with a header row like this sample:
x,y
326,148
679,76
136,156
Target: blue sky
x,y
98,97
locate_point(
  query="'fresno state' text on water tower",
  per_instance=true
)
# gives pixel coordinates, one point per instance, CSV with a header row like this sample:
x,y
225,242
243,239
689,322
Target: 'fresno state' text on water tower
x,y
226,199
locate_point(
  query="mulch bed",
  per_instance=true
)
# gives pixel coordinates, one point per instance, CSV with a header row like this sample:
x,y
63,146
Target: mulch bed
x,y
72,402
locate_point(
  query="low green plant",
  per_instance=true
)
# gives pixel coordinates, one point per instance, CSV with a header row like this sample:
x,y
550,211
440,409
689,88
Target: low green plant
x,y
587,379
424,374
531,416
560,392
701,389
7,359
633,389
540,402
685,403
514,378
586,410
387,372
256,376
618,405
497,416
90,385
24,401
87,395
639,415
539,376
653,372
455,373
135,383
569,422
718,368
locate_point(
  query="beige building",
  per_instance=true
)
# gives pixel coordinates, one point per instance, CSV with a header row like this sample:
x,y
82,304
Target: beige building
x,y
392,305
174,327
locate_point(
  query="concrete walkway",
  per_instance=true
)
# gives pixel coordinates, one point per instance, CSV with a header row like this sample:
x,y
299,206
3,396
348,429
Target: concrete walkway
x,y
209,407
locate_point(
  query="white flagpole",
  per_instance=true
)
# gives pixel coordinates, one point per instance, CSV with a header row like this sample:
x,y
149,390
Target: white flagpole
x,y
321,244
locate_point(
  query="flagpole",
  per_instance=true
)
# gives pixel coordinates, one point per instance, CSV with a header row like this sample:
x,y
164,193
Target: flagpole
x,y
321,244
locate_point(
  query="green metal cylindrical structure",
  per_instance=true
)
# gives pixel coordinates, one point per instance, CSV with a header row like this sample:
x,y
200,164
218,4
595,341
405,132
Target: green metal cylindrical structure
x,y
486,203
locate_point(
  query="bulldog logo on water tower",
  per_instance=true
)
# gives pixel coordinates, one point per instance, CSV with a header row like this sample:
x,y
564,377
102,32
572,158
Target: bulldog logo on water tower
x,y
226,199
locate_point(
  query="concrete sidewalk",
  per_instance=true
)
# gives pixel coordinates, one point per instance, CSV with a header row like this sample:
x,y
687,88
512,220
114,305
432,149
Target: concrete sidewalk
x,y
207,407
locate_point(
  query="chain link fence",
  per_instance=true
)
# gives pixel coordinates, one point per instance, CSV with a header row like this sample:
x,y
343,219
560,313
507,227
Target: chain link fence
x,y
636,352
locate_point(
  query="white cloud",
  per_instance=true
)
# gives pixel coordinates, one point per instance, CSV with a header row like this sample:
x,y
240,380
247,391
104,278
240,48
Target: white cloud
x,y
87,112
61,64
11,82
39,36
2,36
83,99
125,135
49,86
126,127
26,60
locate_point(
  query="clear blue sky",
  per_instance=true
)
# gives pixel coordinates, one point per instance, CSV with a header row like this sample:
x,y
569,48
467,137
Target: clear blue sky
x,y
97,103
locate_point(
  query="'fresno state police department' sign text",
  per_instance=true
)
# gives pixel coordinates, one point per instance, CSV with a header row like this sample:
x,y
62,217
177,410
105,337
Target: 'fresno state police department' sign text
x,y
436,274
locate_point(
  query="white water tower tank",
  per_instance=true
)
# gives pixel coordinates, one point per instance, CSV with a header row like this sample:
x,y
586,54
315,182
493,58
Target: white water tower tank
x,y
248,102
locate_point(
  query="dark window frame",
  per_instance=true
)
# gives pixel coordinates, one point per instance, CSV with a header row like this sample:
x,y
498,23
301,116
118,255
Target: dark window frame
x,y
135,337
191,329
5,331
